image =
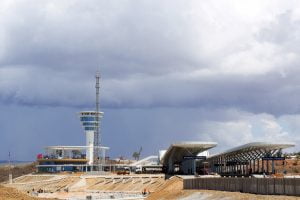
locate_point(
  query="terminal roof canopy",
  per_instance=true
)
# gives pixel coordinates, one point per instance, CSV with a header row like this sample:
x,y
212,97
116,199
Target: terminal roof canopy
x,y
177,151
257,149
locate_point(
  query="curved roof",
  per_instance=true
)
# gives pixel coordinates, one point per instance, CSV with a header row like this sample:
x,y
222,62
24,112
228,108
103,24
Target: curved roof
x,y
177,151
253,147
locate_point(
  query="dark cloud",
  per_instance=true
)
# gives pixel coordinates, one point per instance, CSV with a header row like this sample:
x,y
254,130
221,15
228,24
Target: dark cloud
x,y
153,57
172,70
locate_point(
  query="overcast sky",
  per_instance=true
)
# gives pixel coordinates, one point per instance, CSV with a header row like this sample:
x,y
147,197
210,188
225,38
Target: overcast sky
x,y
223,71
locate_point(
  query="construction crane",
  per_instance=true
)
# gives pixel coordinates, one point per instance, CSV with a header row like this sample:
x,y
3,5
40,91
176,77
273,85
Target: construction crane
x,y
137,155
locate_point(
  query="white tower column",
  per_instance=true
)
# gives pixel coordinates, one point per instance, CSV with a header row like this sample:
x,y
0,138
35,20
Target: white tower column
x,y
90,146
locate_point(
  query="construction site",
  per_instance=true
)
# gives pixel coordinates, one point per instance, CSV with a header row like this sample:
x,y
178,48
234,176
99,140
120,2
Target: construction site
x,y
186,169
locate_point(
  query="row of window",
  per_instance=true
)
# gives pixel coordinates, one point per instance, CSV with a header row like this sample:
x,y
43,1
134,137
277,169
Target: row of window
x,y
85,119
88,113
89,123
88,128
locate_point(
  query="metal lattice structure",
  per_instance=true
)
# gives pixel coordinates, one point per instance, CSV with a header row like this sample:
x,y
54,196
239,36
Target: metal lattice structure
x,y
247,159
97,128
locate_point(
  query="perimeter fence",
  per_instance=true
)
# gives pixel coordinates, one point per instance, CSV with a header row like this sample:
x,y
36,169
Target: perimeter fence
x,y
267,186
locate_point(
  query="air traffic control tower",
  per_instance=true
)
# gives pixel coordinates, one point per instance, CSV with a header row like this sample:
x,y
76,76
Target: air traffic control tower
x,y
90,157
91,123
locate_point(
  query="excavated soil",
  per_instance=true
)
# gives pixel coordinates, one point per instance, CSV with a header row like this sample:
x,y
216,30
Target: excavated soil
x,y
171,189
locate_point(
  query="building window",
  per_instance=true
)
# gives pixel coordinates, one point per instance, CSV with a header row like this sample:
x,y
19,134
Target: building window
x,y
85,119
89,124
88,128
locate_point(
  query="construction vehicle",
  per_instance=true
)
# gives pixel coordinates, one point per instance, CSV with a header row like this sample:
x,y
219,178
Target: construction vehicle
x,y
123,171
149,169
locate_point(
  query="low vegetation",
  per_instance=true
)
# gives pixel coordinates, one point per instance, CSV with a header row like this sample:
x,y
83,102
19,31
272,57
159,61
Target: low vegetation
x,y
17,171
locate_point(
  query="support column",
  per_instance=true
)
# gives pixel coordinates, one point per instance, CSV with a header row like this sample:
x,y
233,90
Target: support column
x,y
221,167
217,165
250,167
225,166
170,166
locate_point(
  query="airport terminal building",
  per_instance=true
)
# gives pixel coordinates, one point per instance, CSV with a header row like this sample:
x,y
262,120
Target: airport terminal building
x,y
244,160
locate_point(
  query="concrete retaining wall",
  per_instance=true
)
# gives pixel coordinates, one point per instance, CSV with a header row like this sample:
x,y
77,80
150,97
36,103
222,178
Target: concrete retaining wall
x,y
279,186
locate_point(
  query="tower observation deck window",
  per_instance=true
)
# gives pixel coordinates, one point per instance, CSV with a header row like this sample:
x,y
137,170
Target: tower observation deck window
x,y
85,119
88,128
89,124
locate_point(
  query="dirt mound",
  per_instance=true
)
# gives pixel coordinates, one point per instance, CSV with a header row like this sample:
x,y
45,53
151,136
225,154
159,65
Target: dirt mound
x,y
290,166
171,189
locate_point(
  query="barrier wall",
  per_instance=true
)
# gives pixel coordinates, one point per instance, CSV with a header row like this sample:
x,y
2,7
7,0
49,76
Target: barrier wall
x,y
275,186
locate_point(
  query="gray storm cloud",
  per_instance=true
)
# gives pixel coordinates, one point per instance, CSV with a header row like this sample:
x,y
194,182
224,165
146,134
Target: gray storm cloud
x,y
224,67
148,55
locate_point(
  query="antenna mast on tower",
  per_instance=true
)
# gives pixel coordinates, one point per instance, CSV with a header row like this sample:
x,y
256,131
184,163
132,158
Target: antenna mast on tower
x,y
97,132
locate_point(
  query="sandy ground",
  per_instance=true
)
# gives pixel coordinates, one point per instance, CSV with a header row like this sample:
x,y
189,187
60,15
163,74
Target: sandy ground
x,y
17,170
172,190
160,190
7,193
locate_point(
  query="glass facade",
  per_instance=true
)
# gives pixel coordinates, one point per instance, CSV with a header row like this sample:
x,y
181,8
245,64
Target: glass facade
x,y
87,119
89,123
88,128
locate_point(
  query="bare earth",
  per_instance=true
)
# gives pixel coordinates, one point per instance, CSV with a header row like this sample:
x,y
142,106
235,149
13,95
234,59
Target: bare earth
x,y
7,193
